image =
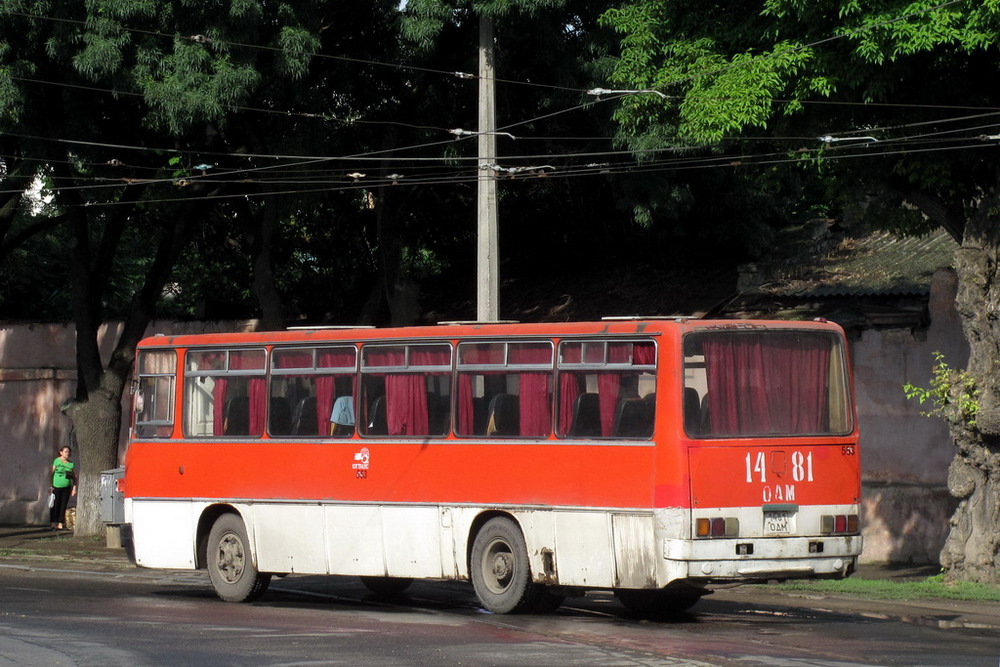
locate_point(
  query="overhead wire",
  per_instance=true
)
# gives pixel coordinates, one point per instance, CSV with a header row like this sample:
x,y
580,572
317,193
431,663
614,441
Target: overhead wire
x,y
456,174
380,155
751,160
591,171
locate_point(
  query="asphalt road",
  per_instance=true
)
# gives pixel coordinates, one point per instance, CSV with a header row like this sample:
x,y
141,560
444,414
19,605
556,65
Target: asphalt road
x,y
55,616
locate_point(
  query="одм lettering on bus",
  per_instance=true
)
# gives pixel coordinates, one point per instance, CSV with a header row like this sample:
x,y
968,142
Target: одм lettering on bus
x,y
649,457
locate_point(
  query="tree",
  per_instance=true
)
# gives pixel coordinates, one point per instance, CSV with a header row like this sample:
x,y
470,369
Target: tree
x,y
80,82
902,92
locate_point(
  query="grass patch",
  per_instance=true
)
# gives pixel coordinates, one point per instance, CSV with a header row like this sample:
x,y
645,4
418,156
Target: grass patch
x,y
882,589
15,552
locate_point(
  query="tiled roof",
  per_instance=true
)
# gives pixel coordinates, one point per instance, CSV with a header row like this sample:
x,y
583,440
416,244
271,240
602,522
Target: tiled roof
x,y
874,264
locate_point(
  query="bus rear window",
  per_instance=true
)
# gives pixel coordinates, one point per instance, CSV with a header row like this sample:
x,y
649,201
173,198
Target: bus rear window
x,y
765,383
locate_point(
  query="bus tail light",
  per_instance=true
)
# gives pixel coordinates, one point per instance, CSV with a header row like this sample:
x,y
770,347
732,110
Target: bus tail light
x,y
838,524
718,527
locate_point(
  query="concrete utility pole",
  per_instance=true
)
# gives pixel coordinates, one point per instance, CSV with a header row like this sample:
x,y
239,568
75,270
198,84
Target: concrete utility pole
x,y
488,308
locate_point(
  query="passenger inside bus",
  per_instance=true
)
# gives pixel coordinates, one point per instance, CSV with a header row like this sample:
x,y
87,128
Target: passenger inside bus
x,y
342,417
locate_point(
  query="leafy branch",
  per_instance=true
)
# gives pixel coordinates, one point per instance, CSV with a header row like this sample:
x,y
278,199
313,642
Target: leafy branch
x,y
953,394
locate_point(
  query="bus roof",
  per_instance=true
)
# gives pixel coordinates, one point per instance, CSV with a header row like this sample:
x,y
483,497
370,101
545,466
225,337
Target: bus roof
x,y
617,327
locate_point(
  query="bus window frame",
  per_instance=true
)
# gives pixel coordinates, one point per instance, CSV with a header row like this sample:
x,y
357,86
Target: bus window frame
x,y
595,367
361,404
312,371
506,367
224,372
171,399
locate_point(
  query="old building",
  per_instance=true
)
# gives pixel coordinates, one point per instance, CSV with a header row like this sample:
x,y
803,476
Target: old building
x,y
895,297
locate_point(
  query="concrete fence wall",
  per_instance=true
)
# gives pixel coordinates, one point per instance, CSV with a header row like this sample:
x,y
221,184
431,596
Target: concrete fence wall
x,y
905,456
38,373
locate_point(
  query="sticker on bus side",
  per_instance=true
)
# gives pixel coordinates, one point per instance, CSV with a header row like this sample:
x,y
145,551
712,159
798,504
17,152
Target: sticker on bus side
x,y
360,466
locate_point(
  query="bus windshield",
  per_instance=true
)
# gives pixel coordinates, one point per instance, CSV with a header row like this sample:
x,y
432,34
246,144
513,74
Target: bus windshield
x,y
764,382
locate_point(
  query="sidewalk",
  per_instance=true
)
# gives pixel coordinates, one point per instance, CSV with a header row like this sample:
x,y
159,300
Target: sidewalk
x,y
36,547
39,545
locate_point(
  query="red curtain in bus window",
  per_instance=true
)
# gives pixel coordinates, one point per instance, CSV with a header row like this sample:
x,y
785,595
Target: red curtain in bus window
x,y
326,390
643,354
804,375
759,384
219,406
466,410
406,393
225,410
533,401
609,385
256,389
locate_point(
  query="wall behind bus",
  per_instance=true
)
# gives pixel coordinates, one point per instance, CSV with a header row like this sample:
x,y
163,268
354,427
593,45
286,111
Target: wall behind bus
x,y
38,373
905,455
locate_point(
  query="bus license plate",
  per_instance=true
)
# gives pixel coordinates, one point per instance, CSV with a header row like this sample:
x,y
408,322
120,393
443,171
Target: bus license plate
x,y
779,522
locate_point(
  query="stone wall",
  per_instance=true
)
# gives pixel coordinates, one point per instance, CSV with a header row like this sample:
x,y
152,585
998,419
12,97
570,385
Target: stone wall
x,y
905,456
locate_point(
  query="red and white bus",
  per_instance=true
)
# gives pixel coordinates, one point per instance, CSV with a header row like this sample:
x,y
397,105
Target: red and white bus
x,y
649,457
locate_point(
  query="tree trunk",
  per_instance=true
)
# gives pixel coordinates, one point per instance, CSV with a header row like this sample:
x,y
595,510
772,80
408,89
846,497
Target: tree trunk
x,y
972,550
97,411
96,421
272,314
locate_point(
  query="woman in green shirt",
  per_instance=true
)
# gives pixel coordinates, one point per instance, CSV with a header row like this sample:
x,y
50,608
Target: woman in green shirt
x,y
63,487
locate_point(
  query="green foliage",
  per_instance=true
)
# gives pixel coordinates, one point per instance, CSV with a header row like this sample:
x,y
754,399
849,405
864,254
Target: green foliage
x,y
423,20
751,69
190,85
952,394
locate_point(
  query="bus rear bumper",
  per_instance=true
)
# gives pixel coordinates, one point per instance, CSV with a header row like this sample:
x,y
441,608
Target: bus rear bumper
x,y
764,558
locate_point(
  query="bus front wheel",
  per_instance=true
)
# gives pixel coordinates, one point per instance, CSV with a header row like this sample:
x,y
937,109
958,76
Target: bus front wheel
x,y
230,565
500,573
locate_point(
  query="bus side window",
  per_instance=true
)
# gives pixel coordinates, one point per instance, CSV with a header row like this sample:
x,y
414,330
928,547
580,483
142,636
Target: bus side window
x,y
154,388
406,389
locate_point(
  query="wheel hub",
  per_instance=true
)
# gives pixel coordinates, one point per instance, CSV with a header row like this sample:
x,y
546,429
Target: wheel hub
x,y
231,559
502,566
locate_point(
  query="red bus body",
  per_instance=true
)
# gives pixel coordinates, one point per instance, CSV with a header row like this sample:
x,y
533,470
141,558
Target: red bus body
x,y
601,511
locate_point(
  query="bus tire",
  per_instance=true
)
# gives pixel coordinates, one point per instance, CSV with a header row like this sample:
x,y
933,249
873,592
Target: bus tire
x,y
500,573
230,564
388,587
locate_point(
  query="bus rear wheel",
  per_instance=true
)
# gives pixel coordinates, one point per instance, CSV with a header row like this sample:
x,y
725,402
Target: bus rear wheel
x,y
500,573
230,565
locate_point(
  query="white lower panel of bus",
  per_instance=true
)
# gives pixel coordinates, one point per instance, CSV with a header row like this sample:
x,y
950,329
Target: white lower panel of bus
x,y
162,532
575,547
592,548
